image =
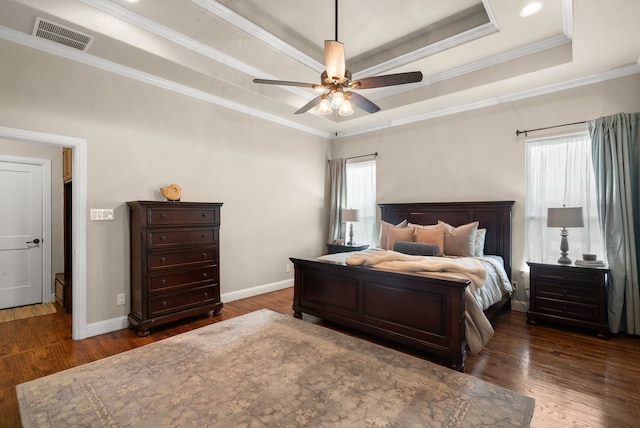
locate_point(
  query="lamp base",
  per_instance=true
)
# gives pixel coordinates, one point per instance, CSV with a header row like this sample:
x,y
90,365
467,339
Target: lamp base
x,y
564,247
351,235
564,260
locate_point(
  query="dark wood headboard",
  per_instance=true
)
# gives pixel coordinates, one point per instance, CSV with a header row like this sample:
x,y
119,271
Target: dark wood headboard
x,y
493,216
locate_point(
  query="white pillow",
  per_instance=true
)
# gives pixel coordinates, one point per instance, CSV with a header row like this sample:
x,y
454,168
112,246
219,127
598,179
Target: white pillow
x,y
479,246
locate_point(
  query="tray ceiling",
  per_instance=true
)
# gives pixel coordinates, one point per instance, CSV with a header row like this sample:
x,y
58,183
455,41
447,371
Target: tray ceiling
x,y
472,53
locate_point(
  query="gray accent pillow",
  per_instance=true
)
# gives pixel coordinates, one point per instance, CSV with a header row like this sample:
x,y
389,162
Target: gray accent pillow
x,y
416,248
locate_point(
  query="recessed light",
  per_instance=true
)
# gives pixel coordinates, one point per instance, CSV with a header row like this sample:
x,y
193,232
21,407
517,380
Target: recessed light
x,y
531,9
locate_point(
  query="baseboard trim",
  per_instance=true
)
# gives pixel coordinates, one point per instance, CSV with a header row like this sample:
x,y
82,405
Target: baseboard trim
x,y
114,324
518,305
256,291
107,326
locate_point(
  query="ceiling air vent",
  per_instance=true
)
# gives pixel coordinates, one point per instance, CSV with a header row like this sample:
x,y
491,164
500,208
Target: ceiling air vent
x,y
61,34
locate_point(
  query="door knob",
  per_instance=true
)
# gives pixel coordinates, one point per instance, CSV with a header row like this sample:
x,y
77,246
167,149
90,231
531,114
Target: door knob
x,y
35,241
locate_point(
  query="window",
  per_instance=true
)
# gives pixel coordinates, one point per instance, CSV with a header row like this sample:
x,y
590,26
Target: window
x,y
560,172
361,195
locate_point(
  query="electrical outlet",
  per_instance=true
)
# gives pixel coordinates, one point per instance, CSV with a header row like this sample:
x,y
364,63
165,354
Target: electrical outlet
x,y
120,299
287,268
514,284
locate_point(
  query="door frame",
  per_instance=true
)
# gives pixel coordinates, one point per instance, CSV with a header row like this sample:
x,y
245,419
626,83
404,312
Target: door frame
x,y
47,274
79,209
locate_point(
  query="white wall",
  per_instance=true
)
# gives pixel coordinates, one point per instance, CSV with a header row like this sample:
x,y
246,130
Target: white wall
x,y
476,156
140,138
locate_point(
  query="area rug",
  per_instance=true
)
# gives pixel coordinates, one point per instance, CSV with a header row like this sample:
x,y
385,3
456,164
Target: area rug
x,y
28,311
266,369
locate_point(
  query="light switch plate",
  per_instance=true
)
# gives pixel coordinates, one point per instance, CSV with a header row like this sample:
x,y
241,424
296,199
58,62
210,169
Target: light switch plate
x,y
102,214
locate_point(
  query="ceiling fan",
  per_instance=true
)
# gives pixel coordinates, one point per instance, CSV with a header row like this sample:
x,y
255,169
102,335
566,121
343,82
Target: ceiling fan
x,y
336,83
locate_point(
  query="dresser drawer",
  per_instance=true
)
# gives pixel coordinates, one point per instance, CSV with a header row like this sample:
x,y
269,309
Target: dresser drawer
x,y
587,295
158,238
182,279
179,258
178,215
567,309
173,302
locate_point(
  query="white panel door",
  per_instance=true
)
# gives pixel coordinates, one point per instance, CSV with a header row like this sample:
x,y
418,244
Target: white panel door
x,y
21,231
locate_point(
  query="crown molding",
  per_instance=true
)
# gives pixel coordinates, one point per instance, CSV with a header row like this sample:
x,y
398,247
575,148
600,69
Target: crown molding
x,y
490,102
141,76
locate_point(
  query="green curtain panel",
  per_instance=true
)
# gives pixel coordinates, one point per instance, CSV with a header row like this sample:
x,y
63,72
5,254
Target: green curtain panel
x,y
616,157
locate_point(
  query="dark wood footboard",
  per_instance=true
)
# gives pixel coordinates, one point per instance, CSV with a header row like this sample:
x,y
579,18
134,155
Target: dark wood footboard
x,y
422,312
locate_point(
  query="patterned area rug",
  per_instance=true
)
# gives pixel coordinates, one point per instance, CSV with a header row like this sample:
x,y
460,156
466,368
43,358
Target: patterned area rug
x,y
266,369
27,312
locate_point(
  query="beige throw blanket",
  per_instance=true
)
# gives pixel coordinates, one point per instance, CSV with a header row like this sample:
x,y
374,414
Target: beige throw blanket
x,y
393,260
478,328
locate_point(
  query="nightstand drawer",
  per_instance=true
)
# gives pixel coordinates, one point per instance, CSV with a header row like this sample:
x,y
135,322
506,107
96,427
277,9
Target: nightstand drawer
x,y
587,295
573,277
567,309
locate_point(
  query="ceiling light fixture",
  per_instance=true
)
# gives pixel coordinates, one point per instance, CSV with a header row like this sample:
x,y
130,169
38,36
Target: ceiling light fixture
x,y
531,9
336,78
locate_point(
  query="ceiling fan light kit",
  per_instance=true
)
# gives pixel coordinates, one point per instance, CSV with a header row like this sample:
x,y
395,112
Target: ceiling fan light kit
x,y
336,78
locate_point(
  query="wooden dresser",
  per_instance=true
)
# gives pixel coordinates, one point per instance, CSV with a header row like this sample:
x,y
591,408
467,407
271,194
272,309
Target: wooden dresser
x,y
175,270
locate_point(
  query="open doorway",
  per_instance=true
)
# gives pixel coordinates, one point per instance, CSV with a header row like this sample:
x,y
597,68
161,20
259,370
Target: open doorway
x,y
79,218
63,280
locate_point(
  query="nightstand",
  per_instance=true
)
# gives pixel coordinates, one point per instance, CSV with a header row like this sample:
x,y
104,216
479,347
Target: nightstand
x,y
569,294
340,248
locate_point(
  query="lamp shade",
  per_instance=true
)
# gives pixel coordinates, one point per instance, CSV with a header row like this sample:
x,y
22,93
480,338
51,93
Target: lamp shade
x,y
350,215
565,217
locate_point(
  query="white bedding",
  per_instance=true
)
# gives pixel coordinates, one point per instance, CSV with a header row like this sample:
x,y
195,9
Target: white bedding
x,y
489,281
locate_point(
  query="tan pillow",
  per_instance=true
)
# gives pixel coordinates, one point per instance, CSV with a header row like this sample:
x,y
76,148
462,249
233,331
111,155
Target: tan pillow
x,y
461,240
384,227
431,235
399,234
479,247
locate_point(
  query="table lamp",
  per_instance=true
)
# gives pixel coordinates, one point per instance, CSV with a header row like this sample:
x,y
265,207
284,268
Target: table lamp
x,y
565,217
350,216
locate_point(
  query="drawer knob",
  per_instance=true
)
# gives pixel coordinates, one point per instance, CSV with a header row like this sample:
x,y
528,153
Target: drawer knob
x,y
163,215
204,235
162,237
163,281
204,214
204,275
162,259
206,294
204,255
164,303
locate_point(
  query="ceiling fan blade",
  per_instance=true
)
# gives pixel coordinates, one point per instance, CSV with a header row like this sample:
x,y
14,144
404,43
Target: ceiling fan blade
x,y
387,80
311,104
362,102
334,59
284,83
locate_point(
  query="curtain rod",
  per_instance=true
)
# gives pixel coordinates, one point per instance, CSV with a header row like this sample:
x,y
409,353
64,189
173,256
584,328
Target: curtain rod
x,y
374,154
518,132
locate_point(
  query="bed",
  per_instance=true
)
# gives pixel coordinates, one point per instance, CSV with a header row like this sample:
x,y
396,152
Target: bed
x,y
390,305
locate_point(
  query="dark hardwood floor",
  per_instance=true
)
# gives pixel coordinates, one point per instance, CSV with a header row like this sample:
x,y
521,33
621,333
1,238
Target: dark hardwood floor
x,y
577,379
